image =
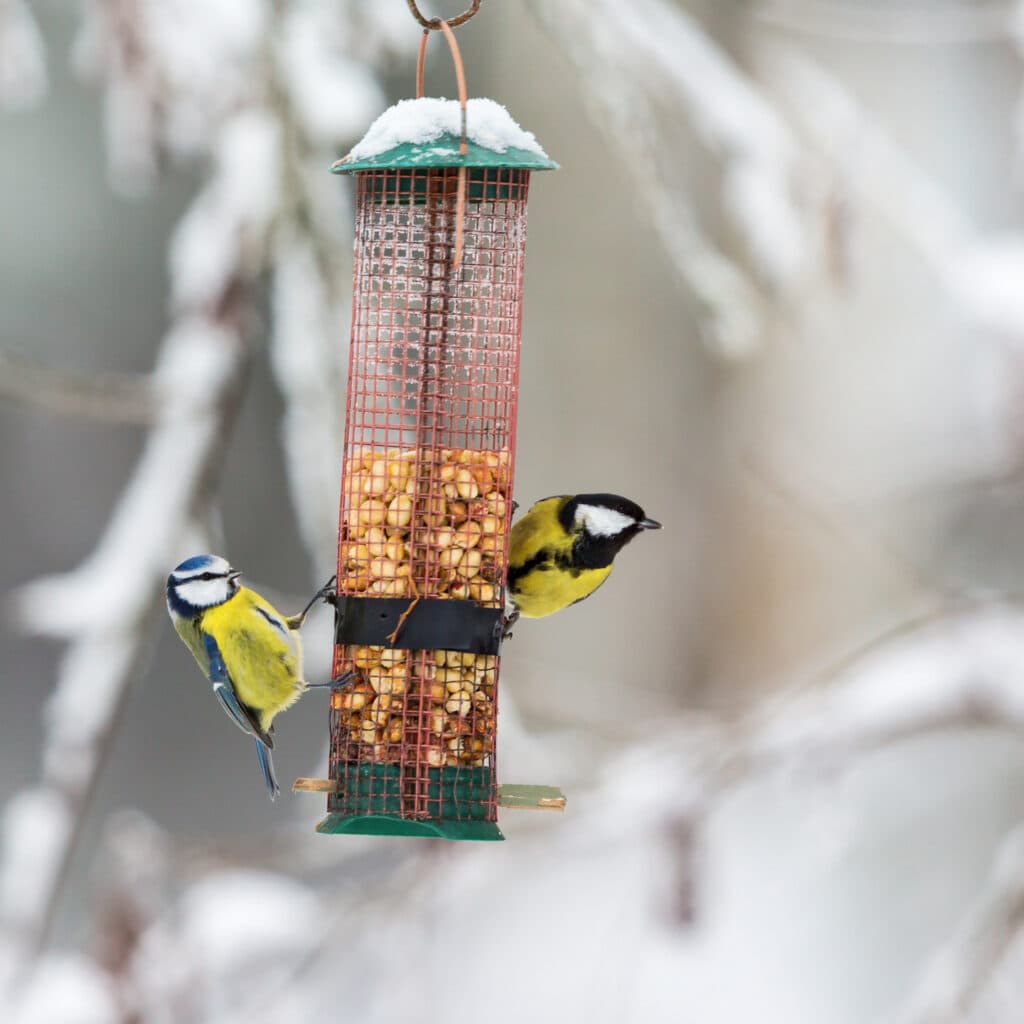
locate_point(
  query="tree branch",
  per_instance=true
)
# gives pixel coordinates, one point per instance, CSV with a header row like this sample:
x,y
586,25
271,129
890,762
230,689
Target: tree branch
x,y
108,397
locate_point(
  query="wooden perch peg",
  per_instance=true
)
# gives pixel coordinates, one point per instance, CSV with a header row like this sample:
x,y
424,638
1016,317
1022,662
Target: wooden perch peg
x,y
528,798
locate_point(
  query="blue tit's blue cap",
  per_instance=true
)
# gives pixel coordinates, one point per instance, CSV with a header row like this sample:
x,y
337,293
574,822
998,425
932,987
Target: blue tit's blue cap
x,y
195,562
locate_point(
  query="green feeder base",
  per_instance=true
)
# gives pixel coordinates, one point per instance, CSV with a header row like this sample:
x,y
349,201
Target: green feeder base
x,y
369,802
390,825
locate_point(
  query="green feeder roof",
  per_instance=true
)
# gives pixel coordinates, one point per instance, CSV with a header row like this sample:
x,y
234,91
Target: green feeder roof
x,y
425,133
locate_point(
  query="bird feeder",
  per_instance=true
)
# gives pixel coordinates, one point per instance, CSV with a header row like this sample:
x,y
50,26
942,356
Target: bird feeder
x,y
429,459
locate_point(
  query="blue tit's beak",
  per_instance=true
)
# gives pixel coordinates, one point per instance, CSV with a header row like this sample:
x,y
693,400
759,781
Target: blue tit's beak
x,y
234,575
649,524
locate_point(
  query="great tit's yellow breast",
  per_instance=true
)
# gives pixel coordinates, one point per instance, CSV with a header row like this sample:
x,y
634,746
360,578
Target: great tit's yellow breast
x,y
549,588
262,655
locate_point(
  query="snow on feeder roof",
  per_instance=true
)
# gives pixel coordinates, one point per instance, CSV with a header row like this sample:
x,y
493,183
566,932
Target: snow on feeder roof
x,y
426,132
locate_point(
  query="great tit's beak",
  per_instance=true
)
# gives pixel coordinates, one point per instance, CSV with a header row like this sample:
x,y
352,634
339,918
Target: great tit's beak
x,y
234,574
649,524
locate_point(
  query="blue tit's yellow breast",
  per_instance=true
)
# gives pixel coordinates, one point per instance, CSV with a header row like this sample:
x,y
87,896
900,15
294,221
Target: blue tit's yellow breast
x,y
263,657
188,630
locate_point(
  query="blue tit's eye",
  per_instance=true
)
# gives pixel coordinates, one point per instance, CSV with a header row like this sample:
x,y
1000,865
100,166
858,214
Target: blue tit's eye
x,y
208,576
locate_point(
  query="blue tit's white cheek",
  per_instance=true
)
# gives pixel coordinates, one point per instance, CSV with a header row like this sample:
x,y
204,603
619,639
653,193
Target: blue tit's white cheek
x,y
602,522
204,593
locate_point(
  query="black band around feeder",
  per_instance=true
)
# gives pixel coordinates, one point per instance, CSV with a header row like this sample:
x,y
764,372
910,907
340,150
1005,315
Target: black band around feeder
x,y
432,624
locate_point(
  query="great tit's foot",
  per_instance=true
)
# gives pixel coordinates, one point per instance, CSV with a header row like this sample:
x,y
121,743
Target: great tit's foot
x,y
338,683
506,622
515,506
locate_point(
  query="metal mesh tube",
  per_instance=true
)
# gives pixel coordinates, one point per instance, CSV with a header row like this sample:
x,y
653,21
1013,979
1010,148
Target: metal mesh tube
x,y
427,477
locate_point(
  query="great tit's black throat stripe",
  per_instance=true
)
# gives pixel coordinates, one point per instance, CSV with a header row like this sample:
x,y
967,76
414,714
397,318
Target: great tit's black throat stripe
x,y
597,552
517,572
432,624
587,553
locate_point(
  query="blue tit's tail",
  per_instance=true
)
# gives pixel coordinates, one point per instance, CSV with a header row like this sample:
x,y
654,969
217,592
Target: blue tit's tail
x,y
267,767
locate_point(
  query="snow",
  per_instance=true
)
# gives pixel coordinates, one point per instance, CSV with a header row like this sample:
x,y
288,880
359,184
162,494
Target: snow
x,y
205,55
68,989
82,706
221,228
986,276
961,670
425,120
229,948
23,78
234,918
668,51
131,131
333,91
304,358
645,74
144,528
36,827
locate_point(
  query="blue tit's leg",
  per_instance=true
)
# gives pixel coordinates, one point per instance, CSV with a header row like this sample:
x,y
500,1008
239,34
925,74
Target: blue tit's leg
x,y
295,622
345,679
267,767
515,506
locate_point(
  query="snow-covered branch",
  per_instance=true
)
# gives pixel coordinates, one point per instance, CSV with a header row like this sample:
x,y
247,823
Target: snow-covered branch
x,y
959,669
23,79
105,610
981,272
257,96
641,72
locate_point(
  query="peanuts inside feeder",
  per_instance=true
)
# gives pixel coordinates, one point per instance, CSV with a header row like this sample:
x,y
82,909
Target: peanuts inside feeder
x,y
441,190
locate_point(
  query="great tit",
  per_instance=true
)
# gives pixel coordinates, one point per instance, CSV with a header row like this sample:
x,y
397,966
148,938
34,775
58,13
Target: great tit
x,y
562,550
249,651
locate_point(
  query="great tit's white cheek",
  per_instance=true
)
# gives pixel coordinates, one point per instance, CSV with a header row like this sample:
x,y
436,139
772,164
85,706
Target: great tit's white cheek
x,y
204,593
602,522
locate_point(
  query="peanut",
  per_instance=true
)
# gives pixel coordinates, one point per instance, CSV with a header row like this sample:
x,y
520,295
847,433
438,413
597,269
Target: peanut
x,y
459,703
409,508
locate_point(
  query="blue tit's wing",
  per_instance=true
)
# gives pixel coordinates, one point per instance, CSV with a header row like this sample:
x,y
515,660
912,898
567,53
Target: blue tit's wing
x,y
224,691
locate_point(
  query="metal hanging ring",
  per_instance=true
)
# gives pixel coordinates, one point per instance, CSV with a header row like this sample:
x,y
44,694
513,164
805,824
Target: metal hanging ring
x,y
434,24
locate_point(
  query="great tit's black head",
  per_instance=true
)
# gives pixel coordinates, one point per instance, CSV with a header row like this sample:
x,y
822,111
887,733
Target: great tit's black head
x,y
607,518
201,582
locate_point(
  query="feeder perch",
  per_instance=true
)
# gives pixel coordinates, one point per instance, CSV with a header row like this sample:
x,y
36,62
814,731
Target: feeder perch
x,y
441,189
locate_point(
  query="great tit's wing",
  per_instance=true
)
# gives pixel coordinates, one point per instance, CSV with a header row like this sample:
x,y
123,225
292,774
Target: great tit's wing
x,y
224,691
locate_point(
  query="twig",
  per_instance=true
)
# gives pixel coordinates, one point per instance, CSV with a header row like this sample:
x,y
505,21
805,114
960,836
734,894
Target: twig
x,y
866,160
392,637
958,976
109,397
907,24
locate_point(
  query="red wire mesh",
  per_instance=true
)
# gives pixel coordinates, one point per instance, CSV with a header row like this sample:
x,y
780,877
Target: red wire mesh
x,y
429,452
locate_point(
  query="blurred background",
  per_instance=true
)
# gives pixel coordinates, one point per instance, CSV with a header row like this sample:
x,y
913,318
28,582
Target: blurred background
x,y
775,293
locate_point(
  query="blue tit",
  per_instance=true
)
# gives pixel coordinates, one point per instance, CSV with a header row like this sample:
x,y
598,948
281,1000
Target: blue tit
x,y
249,651
562,550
